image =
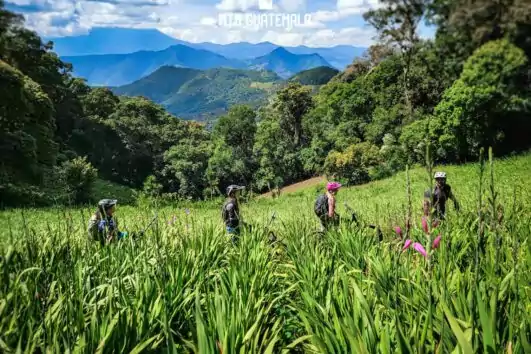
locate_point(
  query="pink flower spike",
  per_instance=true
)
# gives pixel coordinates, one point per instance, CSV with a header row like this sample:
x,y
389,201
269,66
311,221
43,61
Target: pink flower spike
x,y
425,225
406,245
436,242
398,231
420,249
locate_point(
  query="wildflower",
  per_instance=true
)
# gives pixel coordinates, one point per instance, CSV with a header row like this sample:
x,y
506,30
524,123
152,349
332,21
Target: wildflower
x,y
406,245
436,242
420,249
398,231
187,211
425,225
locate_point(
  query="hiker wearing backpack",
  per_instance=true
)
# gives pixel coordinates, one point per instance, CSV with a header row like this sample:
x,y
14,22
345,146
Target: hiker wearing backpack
x,y
437,198
102,226
325,206
230,213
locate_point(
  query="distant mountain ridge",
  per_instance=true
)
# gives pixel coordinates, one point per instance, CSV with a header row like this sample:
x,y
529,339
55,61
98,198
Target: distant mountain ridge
x,y
202,94
116,40
285,63
113,40
121,69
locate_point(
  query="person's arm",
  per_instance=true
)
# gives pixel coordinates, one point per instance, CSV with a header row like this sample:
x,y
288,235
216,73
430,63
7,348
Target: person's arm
x,y
331,207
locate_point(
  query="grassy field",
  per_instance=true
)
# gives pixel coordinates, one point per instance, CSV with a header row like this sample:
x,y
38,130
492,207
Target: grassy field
x,y
185,288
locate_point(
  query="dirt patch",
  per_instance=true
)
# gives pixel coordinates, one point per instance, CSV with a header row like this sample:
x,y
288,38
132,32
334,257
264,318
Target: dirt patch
x,y
298,186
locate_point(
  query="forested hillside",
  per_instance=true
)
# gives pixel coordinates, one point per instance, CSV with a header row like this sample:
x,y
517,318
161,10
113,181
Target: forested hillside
x,y
203,95
468,88
316,76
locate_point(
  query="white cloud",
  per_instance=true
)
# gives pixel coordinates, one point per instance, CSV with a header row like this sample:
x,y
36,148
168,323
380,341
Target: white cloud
x,y
357,5
290,6
237,5
209,21
189,21
351,35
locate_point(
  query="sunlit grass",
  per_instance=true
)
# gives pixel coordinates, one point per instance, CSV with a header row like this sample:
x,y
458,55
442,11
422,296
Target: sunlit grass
x,y
185,288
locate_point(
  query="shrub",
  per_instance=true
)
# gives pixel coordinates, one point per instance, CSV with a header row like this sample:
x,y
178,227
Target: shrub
x,y
353,165
79,177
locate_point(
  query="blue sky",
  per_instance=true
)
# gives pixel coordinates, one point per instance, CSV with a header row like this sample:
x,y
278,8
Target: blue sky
x,y
333,22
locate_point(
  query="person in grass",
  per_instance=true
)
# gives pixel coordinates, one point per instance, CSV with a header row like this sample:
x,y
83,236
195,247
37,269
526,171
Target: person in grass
x,y
230,212
437,198
102,225
325,206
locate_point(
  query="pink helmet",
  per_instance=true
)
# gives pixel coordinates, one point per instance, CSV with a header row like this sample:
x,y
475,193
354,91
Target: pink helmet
x,y
333,186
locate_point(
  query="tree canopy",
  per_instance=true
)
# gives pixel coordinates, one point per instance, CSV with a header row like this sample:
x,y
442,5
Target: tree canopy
x,y
467,88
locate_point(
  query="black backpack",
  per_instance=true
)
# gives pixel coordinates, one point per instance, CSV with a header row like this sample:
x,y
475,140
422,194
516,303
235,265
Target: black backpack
x,y
321,206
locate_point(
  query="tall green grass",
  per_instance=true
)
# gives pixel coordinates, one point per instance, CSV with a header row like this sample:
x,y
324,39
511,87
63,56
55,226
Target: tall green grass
x,y
185,288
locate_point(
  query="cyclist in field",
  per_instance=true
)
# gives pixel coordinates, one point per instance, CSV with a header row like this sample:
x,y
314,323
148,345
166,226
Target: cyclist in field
x,y
230,212
325,206
437,198
102,225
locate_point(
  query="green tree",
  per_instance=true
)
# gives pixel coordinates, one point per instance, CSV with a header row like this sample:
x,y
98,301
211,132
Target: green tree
x,y
187,163
27,146
488,105
79,177
354,165
396,22
277,156
232,158
292,103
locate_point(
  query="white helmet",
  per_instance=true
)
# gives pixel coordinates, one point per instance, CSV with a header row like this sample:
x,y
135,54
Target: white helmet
x,y
440,175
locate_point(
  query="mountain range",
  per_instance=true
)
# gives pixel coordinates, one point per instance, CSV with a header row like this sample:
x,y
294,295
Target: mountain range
x,y
121,69
206,94
117,40
285,63
117,56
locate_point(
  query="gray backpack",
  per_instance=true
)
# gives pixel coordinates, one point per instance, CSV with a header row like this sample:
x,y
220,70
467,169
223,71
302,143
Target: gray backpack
x,y
321,206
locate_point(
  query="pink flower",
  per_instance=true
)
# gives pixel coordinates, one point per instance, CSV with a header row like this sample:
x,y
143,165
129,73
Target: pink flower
x,y
420,249
425,225
406,245
398,231
436,242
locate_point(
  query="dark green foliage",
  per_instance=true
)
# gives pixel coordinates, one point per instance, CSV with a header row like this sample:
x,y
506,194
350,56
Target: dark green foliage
x,y
152,188
27,146
487,105
79,177
186,163
316,76
232,160
468,89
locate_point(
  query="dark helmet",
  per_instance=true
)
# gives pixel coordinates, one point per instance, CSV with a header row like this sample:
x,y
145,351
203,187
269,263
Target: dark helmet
x,y
107,203
234,188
